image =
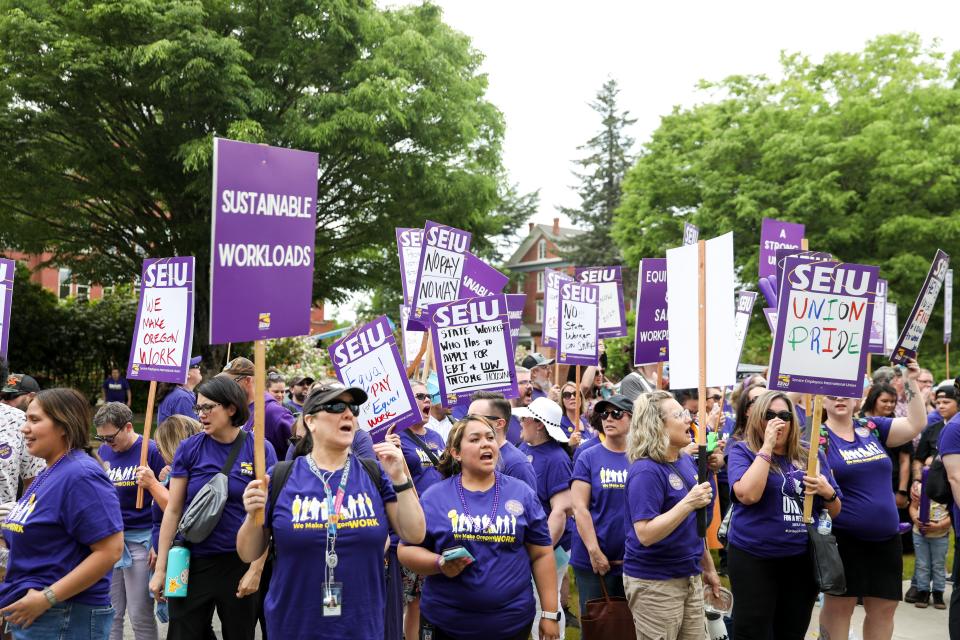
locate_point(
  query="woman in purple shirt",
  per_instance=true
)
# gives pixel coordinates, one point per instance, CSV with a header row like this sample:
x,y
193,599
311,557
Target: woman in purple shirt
x,y
867,529
664,556
768,538
65,533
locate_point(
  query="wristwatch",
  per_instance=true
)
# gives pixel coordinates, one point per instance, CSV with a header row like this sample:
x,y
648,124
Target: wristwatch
x,y
397,488
50,596
903,492
550,615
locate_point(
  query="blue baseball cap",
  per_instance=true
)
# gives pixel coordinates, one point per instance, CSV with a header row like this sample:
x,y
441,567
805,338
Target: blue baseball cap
x,y
195,362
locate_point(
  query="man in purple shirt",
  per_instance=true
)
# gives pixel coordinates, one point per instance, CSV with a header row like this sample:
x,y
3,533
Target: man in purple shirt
x,y
277,422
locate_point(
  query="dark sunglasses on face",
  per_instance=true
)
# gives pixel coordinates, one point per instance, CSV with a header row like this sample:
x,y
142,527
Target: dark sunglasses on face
x,y
339,407
421,396
716,398
786,416
108,439
615,414
566,395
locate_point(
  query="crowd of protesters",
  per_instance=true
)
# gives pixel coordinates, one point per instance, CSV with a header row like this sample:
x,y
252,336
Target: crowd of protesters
x,y
473,523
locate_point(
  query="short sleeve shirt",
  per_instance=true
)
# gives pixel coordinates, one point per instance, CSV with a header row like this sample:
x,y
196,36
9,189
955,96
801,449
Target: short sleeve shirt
x,y
16,463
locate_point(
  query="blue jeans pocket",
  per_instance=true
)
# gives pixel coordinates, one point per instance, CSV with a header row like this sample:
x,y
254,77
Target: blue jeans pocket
x,y
101,619
50,625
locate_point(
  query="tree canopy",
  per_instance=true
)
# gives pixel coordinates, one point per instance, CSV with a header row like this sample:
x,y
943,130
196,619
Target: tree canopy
x,y
863,148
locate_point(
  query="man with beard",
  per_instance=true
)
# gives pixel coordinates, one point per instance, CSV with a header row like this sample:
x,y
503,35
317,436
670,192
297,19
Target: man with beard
x,y
297,394
18,390
539,366
439,415
523,400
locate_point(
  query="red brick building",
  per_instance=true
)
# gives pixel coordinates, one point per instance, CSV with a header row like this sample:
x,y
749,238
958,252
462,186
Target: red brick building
x,y
537,252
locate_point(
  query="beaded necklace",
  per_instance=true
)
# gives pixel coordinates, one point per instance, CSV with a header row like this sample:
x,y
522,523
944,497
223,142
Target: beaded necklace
x,y
496,496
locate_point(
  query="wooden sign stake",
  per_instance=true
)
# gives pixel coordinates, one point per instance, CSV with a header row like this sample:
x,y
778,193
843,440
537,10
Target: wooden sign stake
x,y
660,375
259,389
145,445
813,462
576,425
701,431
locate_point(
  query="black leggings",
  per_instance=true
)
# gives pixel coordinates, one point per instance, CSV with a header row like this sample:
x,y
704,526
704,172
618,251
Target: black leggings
x,y
772,597
213,584
430,632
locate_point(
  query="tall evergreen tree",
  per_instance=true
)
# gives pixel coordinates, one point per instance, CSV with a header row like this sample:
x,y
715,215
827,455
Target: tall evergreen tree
x,y
600,172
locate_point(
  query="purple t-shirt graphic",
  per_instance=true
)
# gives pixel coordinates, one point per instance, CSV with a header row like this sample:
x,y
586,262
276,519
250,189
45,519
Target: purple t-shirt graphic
x,y
122,471
606,473
553,469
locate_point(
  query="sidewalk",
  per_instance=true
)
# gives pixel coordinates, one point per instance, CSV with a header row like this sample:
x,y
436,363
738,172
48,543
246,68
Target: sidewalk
x,y
910,623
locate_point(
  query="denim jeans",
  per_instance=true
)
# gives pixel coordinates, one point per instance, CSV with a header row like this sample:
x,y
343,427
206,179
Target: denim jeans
x,y
130,596
68,621
931,557
588,586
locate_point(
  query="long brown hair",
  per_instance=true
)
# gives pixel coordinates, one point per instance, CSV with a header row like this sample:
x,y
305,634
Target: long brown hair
x,y
796,451
70,412
448,464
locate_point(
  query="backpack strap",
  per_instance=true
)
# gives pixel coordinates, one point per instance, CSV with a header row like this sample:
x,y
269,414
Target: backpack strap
x,y
234,452
373,470
417,440
281,473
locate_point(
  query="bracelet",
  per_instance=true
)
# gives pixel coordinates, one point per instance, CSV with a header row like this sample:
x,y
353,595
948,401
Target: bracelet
x,y
832,498
50,596
398,488
763,456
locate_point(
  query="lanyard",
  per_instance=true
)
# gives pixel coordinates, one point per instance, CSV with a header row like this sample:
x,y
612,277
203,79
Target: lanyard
x,y
334,505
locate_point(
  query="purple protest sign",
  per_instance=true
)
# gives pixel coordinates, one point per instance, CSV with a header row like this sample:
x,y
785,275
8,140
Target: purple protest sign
x,y
775,234
7,270
163,334
368,358
770,313
264,224
439,272
823,323
479,279
411,338
948,307
515,303
808,256
691,233
913,328
551,306
651,339
579,318
741,320
877,342
613,321
472,348
409,246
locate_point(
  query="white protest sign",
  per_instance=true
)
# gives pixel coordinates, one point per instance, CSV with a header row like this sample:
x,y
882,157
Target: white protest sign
x,y
579,324
551,305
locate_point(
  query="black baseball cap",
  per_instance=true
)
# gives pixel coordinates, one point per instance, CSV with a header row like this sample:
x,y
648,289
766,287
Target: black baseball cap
x,y
535,360
617,401
18,384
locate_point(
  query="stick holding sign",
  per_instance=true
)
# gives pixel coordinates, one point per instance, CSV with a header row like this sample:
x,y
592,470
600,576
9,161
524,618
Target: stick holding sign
x,y
145,446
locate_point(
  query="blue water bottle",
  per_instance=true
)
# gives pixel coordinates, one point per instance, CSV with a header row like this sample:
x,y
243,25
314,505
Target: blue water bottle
x,y
178,571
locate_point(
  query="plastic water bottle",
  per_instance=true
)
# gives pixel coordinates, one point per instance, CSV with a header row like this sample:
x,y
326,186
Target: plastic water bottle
x,y
178,571
824,524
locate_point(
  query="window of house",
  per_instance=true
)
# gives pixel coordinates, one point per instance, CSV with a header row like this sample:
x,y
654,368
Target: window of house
x,y
539,311
64,281
83,292
540,282
542,250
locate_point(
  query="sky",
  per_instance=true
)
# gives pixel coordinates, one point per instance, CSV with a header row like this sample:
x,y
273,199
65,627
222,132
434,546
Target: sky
x,y
546,60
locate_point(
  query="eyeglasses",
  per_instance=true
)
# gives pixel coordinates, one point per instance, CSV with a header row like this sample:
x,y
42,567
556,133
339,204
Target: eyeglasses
x,y
615,414
566,395
108,439
493,419
421,396
205,408
716,398
680,415
786,416
338,407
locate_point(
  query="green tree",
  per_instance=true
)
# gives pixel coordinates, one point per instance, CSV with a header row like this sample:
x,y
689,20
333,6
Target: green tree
x,y
108,109
600,173
863,148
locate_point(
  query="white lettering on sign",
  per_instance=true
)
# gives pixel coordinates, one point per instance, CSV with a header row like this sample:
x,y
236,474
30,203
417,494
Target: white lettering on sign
x,y
265,204
360,344
470,312
829,279
164,274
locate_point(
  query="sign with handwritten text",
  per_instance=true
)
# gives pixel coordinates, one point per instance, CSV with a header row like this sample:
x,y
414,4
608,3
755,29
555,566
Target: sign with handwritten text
x,y
409,246
877,342
7,269
741,322
823,323
579,320
472,349
163,334
651,339
440,270
613,321
916,324
368,358
774,235
551,305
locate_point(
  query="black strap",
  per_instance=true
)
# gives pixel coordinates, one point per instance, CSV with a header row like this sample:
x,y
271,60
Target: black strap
x,y
417,440
234,452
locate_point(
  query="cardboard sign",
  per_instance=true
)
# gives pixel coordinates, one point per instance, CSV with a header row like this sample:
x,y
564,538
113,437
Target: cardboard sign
x,y
775,234
7,270
579,313
264,225
650,339
368,358
439,271
948,307
163,334
877,342
691,233
891,328
412,339
551,306
770,313
472,349
515,303
409,246
913,328
613,321
823,324
683,316
741,321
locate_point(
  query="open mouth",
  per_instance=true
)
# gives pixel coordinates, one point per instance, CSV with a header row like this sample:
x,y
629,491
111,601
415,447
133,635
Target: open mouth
x,y
486,455
346,428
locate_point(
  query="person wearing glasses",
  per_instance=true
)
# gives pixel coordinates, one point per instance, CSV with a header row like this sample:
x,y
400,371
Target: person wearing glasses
x,y
767,536
277,421
121,457
575,431
664,558
868,528
498,529
599,504
492,406
219,578
328,527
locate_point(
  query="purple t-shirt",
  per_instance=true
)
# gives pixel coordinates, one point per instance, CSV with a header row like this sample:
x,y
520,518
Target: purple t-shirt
x,y
553,469
51,529
567,425
652,489
122,471
949,444
492,597
773,527
513,431
515,464
116,390
199,458
277,423
726,429
606,473
424,473
584,445
863,470
179,402
299,524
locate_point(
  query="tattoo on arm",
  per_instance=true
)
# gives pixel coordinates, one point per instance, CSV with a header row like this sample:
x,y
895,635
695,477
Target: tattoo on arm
x,y
824,634
908,391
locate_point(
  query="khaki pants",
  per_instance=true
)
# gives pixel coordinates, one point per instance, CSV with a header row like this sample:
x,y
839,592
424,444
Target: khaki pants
x,y
667,609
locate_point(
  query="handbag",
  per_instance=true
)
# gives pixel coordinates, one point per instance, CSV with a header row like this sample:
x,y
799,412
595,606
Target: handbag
x,y
825,556
607,617
202,516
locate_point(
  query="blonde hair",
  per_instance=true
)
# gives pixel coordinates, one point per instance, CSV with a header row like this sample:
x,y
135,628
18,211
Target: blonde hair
x,y
449,465
648,436
797,451
172,432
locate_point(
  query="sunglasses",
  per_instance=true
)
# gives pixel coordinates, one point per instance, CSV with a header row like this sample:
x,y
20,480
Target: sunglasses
x,y
615,414
205,408
786,416
716,398
107,439
421,396
566,395
493,419
338,407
